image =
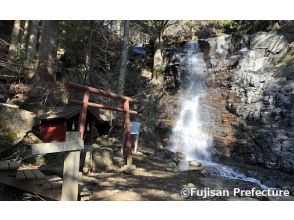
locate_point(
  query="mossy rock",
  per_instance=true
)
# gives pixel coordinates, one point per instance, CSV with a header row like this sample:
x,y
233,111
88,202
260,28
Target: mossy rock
x,y
14,125
288,58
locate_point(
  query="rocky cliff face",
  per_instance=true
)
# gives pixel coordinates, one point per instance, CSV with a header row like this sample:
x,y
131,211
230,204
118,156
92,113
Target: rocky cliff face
x,y
251,92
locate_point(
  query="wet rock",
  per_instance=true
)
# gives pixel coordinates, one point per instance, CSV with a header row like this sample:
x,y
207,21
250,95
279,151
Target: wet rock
x,y
166,142
288,145
171,167
280,134
164,154
290,134
287,162
276,147
14,125
180,156
164,128
195,164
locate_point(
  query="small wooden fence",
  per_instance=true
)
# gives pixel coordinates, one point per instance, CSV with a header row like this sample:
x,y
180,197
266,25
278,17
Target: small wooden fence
x,y
33,180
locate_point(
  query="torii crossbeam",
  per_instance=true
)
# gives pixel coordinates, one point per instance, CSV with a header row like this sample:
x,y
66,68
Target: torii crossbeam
x,y
85,104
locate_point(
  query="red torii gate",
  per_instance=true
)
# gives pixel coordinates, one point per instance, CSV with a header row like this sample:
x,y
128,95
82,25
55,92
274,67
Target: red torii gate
x,y
126,110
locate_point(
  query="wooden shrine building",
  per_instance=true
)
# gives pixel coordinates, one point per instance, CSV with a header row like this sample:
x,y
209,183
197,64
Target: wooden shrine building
x,y
55,123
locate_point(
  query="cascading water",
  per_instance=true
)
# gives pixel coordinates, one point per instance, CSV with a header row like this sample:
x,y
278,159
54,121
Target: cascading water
x,y
190,134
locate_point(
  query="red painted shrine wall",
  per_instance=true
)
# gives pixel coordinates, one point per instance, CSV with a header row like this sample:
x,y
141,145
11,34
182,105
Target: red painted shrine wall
x,y
53,131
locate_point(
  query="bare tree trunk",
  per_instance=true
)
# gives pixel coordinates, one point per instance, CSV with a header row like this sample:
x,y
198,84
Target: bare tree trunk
x,y
24,37
89,60
157,76
32,43
14,40
46,70
157,59
124,58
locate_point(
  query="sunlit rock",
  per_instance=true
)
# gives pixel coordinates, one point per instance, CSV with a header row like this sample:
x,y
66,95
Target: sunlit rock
x,y
14,125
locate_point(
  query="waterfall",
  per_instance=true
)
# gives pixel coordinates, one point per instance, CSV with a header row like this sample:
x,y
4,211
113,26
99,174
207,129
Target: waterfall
x,y
189,134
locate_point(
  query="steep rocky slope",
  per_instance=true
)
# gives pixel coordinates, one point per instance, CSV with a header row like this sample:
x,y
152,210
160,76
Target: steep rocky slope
x,y
251,92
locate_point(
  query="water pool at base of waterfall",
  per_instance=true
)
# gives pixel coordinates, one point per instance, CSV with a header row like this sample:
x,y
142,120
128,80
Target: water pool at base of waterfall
x,y
216,169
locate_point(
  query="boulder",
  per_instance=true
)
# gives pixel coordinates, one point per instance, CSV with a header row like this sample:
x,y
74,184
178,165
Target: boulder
x,y
102,158
15,123
195,164
106,152
100,162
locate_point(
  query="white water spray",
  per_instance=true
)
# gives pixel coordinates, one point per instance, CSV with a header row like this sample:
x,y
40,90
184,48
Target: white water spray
x,y
189,134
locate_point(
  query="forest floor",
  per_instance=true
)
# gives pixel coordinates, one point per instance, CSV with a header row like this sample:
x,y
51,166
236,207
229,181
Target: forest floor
x,y
157,180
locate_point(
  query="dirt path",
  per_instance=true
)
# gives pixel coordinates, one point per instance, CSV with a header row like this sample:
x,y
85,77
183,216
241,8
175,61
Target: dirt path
x,y
159,181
